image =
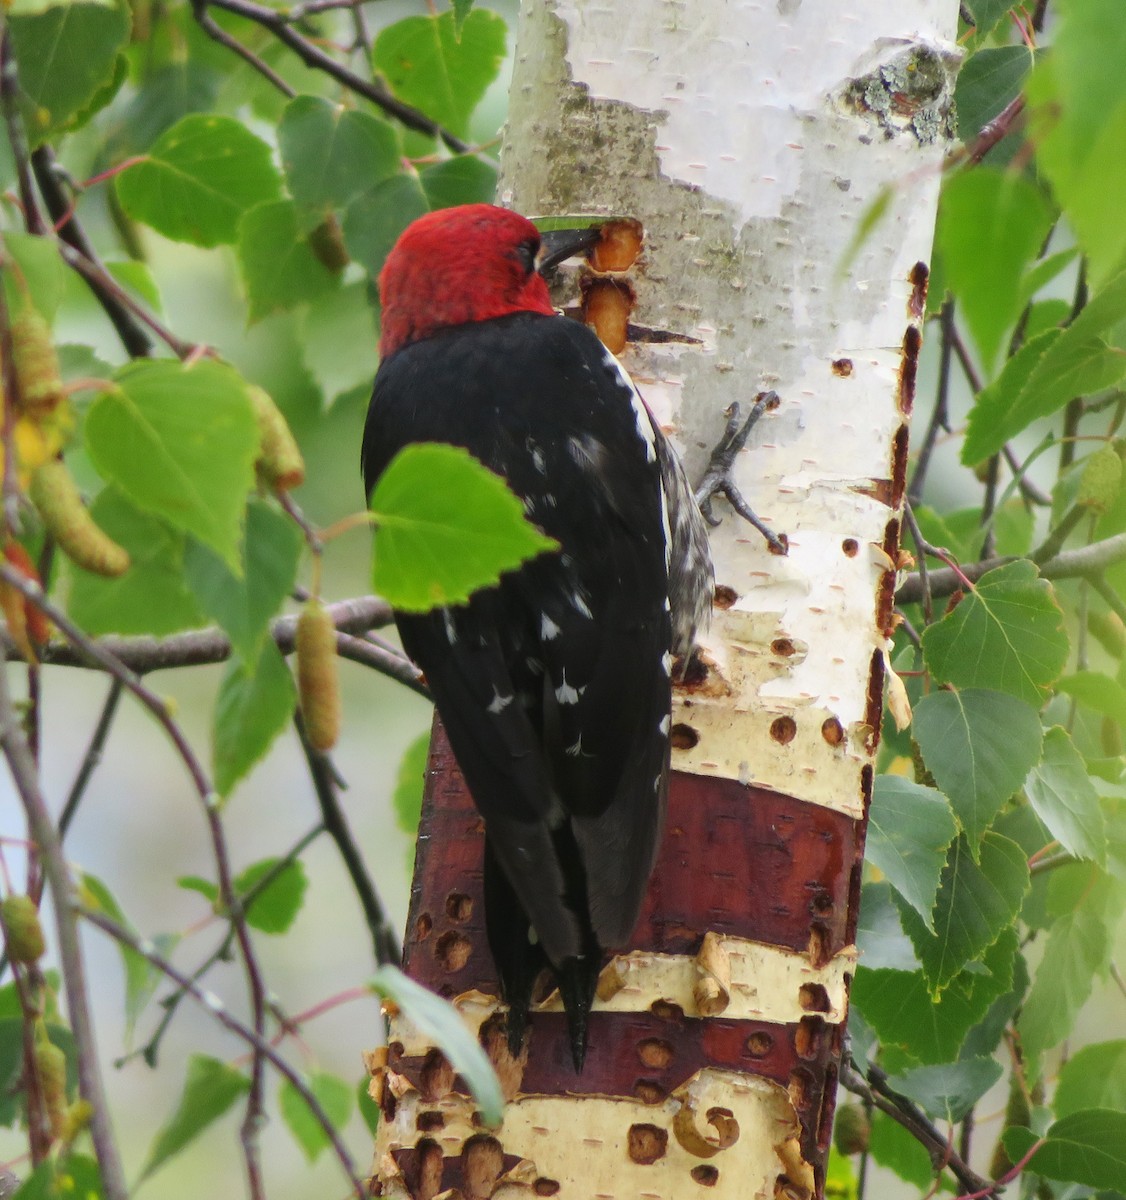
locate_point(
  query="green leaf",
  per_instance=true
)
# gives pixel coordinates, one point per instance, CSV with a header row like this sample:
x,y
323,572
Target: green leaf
x,y
1077,118
1077,947
979,745
976,903
151,596
879,931
462,9
900,1007
339,338
367,1107
463,179
332,154
948,1090
438,1021
279,266
991,225
1087,1147
255,704
1007,634
894,1148
440,65
987,82
1047,372
1061,792
275,907
198,180
373,221
210,1089
446,526
407,799
180,442
141,978
244,604
909,829
333,1095
195,883
66,55
1094,1077
37,267
1098,692
72,1177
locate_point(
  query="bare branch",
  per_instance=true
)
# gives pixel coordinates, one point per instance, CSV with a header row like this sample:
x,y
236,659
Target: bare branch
x,y
199,647
65,893
1083,561
229,1021
313,56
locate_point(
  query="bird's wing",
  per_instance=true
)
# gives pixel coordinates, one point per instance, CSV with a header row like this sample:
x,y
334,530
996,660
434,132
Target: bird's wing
x,y
554,685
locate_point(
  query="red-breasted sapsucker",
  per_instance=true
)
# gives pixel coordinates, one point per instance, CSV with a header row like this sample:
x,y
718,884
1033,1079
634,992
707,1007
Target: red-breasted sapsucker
x,y
555,685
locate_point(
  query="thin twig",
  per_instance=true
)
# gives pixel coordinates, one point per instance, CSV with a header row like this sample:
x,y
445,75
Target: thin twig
x,y
207,23
64,892
199,647
939,415
992,132
92,757
129,328
1083,561
17,136
210,804
875,1091
228,1020
104,285
385,942
313,56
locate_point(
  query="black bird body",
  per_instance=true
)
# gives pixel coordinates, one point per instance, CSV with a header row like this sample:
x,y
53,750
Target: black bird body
x,y
554,686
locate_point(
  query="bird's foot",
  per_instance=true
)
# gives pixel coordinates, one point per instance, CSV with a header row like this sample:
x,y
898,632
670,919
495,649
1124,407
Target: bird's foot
x,y
717,479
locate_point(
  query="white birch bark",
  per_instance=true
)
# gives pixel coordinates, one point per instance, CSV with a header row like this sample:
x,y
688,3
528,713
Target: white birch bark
x,y
750,138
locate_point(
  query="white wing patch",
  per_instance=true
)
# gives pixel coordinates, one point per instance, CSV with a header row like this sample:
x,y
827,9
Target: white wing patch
x,y
498,703
548,629
641,414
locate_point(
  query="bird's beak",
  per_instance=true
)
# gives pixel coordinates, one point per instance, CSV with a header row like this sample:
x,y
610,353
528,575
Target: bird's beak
x,y
558,245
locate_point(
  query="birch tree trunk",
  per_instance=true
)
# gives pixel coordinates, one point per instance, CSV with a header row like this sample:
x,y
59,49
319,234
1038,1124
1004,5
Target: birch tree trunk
x,y
750,139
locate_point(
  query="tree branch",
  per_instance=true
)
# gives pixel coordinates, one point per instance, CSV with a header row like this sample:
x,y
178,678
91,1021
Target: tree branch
x,y
384,940
277,22
46,837
1083,561
227,1019
875,1091
202,646
129,328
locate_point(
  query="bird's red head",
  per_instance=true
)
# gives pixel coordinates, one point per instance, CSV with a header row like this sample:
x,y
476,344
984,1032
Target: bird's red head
x,y
457,265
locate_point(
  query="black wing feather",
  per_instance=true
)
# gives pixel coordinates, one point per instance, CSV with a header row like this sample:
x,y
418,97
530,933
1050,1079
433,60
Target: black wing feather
x,y
552,685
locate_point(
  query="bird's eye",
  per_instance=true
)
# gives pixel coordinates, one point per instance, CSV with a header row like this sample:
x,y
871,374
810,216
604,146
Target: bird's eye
x,y
526,252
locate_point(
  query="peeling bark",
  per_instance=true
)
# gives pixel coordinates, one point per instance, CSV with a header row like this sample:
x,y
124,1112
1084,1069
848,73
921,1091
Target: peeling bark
x,y
749,139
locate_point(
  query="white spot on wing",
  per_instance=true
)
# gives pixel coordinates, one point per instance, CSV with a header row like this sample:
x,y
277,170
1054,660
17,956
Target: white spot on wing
x,y
566,694
448,621
665,723
666,663
548,628
499,703
581,606
576,748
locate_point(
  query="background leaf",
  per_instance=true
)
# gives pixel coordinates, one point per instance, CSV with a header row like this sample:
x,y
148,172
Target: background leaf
x,y
977,901
979,745
198,179
335,1097
209,1091
909,829
180,442
439,1021
1006,635
1061,792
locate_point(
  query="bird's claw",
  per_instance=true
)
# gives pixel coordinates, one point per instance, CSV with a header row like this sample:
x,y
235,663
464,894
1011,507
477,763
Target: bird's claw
x,y
717,479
